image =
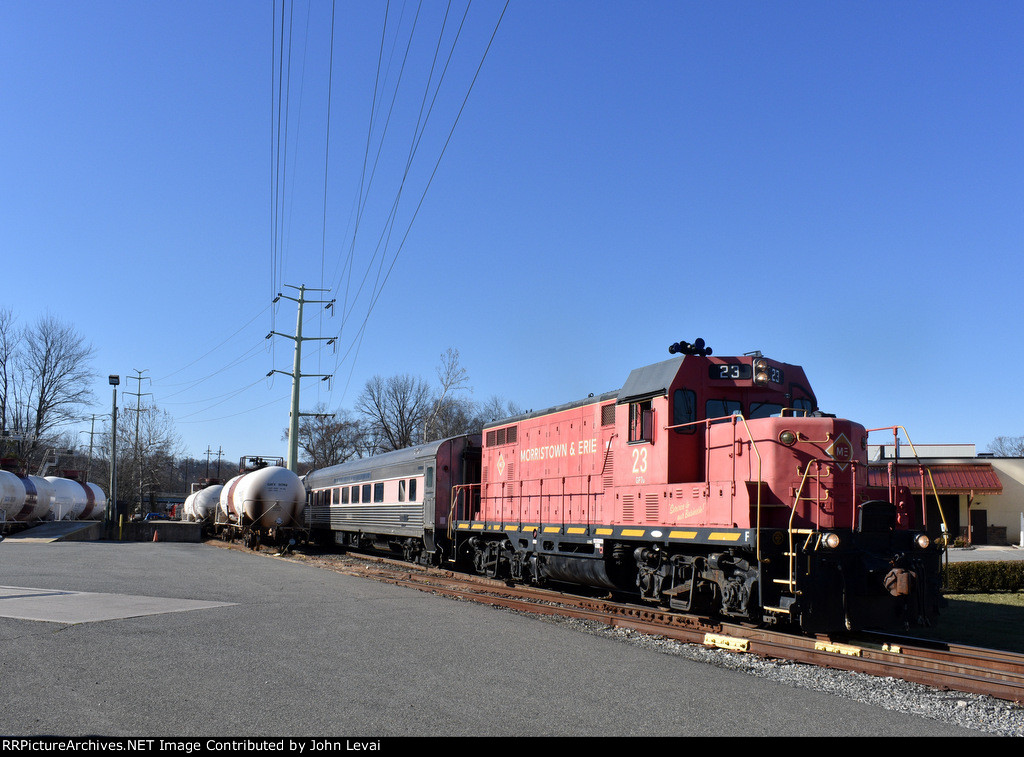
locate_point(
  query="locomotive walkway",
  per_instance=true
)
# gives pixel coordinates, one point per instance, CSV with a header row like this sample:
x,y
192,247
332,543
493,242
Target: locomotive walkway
x,y
180,639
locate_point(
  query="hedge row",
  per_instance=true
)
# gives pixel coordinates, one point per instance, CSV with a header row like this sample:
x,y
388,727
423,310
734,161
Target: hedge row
x,y
984,577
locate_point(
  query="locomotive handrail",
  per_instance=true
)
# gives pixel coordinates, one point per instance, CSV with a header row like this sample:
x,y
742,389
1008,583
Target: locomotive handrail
x,y
790,530
457,491
732,419
923,468
753,446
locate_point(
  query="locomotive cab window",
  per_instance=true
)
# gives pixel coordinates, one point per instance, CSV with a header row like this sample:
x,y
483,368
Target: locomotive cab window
x,y
684,410
641,422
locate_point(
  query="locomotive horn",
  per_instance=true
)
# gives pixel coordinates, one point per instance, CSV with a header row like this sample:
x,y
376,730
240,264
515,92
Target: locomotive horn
x,y
685,348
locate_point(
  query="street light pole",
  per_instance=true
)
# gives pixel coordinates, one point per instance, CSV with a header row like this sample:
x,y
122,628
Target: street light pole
x,y
111,513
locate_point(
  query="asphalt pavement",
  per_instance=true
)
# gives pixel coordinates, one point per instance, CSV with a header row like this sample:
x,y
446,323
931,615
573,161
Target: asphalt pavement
x,y
185,640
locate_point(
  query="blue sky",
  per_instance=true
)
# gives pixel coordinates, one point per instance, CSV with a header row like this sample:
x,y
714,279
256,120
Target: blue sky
x,y
839,185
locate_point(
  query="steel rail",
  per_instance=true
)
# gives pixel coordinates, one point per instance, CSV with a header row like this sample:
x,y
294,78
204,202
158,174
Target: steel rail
x,y
987,672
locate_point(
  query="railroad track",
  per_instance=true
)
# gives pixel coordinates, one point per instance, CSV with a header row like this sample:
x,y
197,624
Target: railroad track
x,y
950,667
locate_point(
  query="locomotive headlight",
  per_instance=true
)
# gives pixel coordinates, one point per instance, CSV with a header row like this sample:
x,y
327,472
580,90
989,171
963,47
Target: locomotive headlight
x,y
922,541
760,365
830,540
788,438
761,378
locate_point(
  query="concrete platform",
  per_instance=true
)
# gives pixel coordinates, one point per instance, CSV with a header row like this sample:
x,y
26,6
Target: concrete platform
x,y
63,530
150,530
55,606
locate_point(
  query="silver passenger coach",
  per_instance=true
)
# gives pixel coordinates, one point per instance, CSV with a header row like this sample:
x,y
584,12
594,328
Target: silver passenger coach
x,y
397,502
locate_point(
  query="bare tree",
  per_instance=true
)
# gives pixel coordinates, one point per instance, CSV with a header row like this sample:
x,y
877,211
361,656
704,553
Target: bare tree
x,y
394,410
1007,446
9,339
495,409
450,414
327,438
150,464
58,363
45,381
401,410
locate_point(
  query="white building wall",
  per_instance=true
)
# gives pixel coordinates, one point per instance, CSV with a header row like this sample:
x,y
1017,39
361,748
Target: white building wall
x,y
1003,509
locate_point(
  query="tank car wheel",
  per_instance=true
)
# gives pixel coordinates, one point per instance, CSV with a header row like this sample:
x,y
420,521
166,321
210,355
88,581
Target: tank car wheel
x,y
252,540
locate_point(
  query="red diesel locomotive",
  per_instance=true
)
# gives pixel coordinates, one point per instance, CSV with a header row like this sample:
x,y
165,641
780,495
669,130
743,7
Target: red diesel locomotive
x,y
706,484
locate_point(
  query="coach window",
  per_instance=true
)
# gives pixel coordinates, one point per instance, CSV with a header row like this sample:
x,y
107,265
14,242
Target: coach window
x,y
412,489
366,493
378,492
722,408
344,495
401,490
641,421
684,410
355,495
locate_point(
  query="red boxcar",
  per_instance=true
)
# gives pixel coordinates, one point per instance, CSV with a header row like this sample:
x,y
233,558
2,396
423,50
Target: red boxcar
x,y
704,483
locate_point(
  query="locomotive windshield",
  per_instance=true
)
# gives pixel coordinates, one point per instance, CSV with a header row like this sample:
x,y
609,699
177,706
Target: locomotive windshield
x,y
765,409
722,409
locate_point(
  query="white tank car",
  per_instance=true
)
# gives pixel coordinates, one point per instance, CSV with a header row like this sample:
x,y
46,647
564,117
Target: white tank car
x,y
12,496
39,498
200,505
71,498
96,502
269,497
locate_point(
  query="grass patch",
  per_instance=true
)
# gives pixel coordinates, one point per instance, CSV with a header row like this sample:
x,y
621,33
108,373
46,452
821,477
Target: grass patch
x,y
995,621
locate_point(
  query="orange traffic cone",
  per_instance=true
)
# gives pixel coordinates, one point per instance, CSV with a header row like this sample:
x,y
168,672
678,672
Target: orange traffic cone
x,y
156,535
